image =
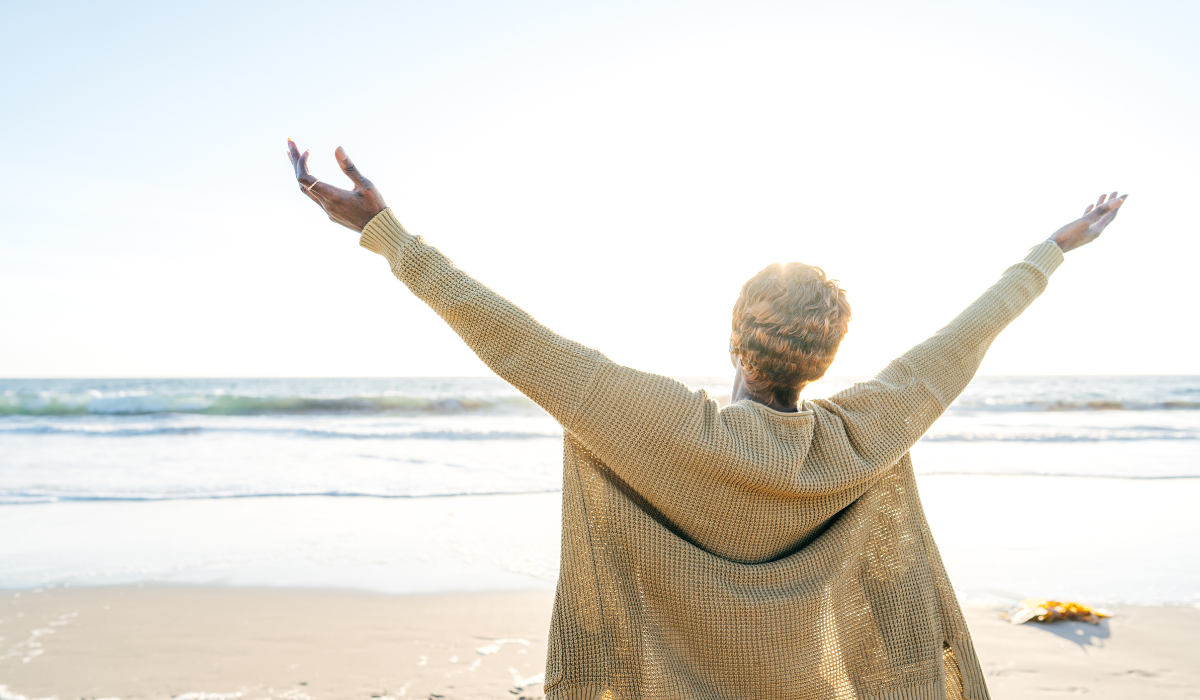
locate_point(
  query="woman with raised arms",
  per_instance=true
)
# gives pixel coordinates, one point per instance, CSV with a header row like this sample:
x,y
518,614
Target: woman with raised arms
x,y
774,548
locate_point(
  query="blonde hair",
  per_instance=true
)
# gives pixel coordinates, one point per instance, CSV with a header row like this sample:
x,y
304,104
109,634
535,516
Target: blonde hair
x,y
787,325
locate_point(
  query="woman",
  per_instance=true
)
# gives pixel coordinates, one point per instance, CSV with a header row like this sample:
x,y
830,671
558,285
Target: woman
x,y
775,548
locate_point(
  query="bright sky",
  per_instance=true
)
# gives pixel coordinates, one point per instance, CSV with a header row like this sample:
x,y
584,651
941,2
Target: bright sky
x,y
618,169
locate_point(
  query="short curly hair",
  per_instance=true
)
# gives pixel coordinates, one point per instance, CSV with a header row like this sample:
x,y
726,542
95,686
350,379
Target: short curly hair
x,y
787,325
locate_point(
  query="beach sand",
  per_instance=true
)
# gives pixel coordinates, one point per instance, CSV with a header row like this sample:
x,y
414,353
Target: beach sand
x,y
155,642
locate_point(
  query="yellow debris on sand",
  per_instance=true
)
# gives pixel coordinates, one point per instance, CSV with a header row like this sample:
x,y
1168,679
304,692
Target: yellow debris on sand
x,y
1041,610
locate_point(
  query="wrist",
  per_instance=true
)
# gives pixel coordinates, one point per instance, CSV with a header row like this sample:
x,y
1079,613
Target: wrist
x,y
1046,257
385,235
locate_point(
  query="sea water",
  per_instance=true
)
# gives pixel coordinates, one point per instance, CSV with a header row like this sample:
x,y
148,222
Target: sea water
x,y
1029,482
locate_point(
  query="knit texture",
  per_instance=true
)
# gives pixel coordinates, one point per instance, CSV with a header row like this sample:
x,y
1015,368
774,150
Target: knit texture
x,y
738,552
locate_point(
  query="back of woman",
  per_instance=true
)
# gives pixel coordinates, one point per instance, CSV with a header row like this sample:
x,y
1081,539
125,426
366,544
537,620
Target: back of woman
x,y
775,548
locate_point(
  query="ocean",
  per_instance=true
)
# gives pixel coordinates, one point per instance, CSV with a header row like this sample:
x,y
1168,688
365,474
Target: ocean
x,y
1019,473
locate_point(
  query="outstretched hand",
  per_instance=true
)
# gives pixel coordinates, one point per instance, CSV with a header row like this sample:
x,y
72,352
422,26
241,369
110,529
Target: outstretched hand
x,y
1088,227
354,208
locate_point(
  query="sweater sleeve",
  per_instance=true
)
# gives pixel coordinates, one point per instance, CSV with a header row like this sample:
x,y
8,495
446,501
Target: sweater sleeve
x,y
551,370
884,417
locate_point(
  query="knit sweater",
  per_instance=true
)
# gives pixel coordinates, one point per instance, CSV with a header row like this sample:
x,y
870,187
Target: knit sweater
x,y
736,552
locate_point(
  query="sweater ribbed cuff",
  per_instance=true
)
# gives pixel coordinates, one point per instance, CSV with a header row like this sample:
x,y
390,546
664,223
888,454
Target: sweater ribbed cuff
x,y
1045,256
385,235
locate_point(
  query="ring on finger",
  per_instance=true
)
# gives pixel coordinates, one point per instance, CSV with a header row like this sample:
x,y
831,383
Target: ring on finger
x,y
309,188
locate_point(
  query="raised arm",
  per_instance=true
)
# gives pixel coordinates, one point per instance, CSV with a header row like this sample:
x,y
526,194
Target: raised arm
x,y
548,368
885,416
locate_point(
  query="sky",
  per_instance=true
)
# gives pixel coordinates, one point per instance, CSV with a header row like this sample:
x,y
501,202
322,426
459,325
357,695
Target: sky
x,y
618,169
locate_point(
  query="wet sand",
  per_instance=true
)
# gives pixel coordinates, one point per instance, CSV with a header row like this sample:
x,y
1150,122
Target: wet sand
x,y
155,642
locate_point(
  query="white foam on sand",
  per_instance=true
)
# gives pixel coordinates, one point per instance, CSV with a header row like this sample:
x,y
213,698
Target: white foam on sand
x,y
31,647
495,646
6,694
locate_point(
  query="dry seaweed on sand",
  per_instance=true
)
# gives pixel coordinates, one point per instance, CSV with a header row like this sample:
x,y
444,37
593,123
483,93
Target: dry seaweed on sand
x,y
1042,610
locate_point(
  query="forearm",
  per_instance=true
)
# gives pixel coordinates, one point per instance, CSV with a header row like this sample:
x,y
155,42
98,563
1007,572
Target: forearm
x,y
550,369
888,414
948,360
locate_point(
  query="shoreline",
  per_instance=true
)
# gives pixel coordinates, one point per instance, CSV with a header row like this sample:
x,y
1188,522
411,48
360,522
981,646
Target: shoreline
x,y
1002,539
155,642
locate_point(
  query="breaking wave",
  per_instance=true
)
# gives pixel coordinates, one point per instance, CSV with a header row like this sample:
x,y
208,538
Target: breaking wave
x,y
133,404
96,403
1073,405
94,430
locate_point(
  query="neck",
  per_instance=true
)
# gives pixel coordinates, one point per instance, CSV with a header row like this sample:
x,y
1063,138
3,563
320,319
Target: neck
x,y
742,390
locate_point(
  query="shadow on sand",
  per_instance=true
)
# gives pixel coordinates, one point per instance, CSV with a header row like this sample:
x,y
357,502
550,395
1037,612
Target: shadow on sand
x,y
1080,633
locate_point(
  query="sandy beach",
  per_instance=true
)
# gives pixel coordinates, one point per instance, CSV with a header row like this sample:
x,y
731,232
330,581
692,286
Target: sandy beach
x,y
211,643
155,642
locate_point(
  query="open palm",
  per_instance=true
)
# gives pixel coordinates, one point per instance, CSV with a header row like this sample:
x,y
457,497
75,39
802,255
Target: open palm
x,y
354,208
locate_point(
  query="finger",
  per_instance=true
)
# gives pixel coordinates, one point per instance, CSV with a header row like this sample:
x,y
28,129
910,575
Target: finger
x,y
305,178
1110,214
300,165
1098,201
1112,203
294,156
347,166
1089,209
325,192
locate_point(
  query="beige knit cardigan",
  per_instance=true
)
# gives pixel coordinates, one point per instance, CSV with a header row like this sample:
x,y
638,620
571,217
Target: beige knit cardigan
x,y
737,552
